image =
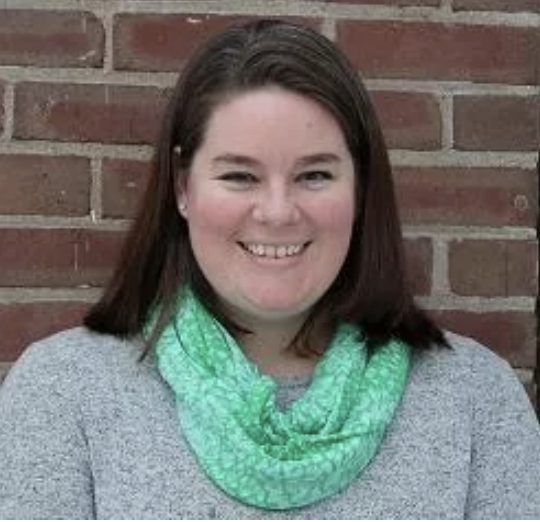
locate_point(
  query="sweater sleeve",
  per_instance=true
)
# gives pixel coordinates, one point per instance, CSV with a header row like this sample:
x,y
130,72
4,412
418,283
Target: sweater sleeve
x,y
44,468
505,457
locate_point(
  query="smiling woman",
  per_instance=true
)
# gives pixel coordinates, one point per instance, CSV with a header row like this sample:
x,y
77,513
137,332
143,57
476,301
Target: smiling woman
x,y
259,347
279,217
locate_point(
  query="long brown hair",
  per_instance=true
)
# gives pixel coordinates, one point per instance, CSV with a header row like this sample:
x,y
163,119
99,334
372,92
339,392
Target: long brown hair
x,y
371,289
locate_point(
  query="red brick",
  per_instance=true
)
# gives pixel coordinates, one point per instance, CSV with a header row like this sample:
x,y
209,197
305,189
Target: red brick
x,y
419,255
123,184
24,323
497,5
409,120
50,39
156,42
441,51
491,268
467,196
497,122
44,185
97,113
511,334
57,257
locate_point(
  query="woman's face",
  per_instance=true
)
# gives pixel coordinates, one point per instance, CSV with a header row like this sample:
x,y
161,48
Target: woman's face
x,y
269,202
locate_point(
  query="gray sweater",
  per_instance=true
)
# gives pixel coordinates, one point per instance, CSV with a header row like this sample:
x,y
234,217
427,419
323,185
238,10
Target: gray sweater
x,y
87,431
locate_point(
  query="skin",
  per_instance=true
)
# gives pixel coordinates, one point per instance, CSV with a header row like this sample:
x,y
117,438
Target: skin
x,y
269,201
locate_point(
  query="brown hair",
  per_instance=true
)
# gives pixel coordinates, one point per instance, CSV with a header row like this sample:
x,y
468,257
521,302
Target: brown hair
x,y
371,289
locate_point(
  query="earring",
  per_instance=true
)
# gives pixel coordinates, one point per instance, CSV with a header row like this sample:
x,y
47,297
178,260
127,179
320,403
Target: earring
x,y
183,209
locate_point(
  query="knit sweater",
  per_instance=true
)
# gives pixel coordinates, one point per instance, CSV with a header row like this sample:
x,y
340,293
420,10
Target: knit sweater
x,y
89,431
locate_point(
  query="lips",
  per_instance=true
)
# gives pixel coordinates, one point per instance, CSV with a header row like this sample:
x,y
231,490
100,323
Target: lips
x,y
274,251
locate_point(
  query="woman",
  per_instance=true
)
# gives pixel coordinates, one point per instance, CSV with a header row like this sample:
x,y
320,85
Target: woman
x,y
258,352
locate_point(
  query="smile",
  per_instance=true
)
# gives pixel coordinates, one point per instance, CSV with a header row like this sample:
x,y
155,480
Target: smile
x,y
274,251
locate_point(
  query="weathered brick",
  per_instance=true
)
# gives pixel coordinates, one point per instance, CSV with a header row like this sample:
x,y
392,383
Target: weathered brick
x,y
467,196
409,120
491,268
24,323
497,5
497,122
419,254
45,185
509,333
441,51
156,42
50,39
57,257
98,113
123,184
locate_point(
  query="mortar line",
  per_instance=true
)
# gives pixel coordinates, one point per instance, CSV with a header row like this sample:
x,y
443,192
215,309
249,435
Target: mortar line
x,y
428,14
96,187
440,277
9,111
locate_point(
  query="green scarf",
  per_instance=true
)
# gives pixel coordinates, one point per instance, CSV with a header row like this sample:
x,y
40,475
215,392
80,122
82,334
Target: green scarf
x,y
257,453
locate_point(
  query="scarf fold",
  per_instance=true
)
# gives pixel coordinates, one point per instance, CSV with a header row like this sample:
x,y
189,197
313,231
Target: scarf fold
x,y
253,451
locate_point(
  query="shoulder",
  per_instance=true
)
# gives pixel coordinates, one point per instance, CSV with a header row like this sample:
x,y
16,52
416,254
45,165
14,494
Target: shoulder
x,y
465,356
73,358
472,371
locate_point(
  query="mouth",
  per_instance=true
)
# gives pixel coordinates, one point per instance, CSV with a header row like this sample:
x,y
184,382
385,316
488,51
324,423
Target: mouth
x,y
275,251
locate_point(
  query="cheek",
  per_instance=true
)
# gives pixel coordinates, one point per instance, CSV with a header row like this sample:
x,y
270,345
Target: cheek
x,y
209,218
337,217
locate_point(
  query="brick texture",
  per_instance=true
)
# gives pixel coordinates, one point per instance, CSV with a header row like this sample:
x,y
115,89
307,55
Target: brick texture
x,y
100,113
57,257
455,84
51,39
468,196
497,122
511,334
493,268
497,5
123,184
409,120
419,255
463,52
155,42
23,323
44,185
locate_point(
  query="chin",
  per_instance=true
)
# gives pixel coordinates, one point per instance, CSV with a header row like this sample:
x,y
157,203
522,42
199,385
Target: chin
x,y
280,311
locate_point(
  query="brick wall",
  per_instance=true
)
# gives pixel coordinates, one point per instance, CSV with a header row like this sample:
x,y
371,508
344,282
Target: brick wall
x,y
456,82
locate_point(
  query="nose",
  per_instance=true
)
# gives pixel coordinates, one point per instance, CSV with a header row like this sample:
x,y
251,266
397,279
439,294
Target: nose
x,y
276,206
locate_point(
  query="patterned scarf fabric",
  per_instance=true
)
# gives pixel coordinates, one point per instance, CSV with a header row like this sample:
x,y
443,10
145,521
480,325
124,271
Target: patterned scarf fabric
x,y
253,451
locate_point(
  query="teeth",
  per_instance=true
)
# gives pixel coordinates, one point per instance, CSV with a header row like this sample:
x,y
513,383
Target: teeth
x,y
273,251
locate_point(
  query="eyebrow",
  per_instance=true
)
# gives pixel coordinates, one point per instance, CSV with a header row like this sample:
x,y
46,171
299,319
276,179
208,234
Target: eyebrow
x,y
304,161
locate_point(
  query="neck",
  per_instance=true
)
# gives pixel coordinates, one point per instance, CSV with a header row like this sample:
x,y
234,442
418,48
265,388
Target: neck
x,y
269,348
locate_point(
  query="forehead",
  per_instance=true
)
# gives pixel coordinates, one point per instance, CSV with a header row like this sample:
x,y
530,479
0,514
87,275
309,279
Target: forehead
x,y
273,117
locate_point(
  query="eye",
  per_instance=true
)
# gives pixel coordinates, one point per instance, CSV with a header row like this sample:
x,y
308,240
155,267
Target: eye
x,y
315,179
238,179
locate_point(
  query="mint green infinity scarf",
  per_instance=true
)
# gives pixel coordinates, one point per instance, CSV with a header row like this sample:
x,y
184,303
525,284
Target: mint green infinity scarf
x,y
256,453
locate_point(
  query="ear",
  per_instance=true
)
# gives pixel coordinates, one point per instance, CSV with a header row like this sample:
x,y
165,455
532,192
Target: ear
x,y
181,185
181,202
181,195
